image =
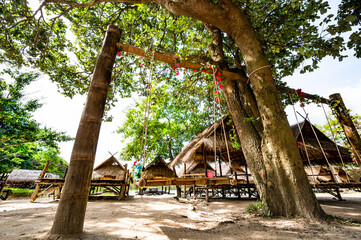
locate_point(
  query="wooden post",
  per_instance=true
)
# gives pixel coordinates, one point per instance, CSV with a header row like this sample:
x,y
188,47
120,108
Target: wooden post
x,y
220,166
247,179
123,187
207,196
348,127
34,196
205,160
185,191
69,218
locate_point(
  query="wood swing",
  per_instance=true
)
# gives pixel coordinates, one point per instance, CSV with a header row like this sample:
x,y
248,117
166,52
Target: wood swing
x,y
318,175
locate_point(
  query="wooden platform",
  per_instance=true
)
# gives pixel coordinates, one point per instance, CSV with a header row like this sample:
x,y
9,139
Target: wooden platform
x,y
187,181
4,193
55,185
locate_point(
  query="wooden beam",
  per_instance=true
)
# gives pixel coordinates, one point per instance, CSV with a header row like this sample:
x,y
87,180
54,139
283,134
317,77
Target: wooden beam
x,y
348,127
34,196
169,58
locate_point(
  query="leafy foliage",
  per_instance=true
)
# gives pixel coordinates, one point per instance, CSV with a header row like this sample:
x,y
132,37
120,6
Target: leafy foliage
x,y
336,132
349,17
175,118
40,38
24,143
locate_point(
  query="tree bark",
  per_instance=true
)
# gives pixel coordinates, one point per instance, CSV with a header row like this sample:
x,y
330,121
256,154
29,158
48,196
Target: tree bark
x,y
348,127
69,218
286,184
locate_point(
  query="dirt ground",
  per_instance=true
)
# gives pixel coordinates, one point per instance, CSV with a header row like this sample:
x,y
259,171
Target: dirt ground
x,y
164,217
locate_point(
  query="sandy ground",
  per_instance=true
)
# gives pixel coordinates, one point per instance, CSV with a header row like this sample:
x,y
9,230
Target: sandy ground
x,y
163,217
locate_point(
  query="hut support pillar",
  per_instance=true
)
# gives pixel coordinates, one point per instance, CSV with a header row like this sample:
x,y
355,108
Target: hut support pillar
x,y
207,196
220,166
247,179
348,127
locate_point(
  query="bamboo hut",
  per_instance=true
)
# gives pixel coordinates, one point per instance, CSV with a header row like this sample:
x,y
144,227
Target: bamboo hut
x,y
202,148
27,176
314,151
158,168
210,147
109,169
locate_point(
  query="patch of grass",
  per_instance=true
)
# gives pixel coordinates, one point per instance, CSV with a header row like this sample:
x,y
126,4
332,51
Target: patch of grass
x,y
22,191
341,220
255,208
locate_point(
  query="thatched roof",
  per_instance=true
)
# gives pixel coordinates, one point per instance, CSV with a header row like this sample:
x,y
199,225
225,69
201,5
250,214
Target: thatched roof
x,y
312,146
110,168
203,145
157,168
26,175
204,142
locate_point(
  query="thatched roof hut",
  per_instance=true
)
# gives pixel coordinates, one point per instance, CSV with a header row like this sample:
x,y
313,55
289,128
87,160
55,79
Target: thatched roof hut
x,y
313,149
157,168
110,169
202,147
28,176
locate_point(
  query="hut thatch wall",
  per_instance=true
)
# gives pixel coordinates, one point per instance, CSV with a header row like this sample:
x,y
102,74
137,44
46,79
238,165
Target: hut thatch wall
x,y
109,169
28,176
195,167
313,148
157,168
318,174
203,146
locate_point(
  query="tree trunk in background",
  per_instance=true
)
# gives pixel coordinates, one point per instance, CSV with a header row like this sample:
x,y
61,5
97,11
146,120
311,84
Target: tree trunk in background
x,y
285,185
347,125
69,218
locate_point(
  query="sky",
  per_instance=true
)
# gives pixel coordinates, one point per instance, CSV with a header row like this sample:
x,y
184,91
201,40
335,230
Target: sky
x,y
63,114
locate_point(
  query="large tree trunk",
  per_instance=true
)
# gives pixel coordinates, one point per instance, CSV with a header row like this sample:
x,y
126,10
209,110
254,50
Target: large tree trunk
x,y
69,218
249,137
286,185
288,191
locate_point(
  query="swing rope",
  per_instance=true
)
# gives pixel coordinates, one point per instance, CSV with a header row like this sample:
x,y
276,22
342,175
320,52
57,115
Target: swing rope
x,y
146,113
334,139
214,125
224,131
303,140
319,144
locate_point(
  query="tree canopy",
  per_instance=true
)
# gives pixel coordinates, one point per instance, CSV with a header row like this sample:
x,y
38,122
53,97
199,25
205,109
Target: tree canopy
x,y
23,142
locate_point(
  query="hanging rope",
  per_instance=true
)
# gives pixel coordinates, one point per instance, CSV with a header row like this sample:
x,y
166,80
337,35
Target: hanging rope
x,y
319,143
303,140
214,125
224,131
146,114
334,139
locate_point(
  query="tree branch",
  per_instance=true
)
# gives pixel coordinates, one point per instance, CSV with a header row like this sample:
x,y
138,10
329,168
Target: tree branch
x,y
95,2
169,58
